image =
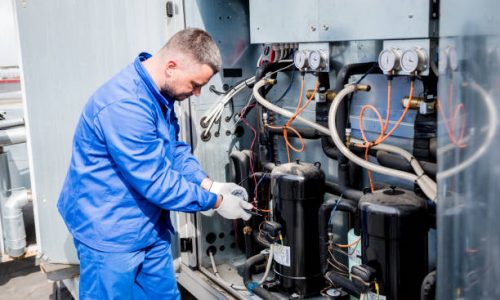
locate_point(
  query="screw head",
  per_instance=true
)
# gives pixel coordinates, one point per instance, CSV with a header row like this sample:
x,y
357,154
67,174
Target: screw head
x,y
313,28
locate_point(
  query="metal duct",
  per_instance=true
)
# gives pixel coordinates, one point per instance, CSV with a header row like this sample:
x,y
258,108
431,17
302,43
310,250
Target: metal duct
x,y
12,215
11,123
11,136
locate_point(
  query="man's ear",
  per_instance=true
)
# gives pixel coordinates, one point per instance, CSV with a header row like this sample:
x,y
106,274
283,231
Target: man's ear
x,y
170,67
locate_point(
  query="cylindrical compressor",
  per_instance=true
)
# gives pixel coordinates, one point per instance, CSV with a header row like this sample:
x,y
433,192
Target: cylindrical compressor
x,y
298,190
394,235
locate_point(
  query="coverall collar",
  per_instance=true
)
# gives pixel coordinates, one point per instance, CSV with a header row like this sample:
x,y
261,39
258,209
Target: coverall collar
x,y
163,100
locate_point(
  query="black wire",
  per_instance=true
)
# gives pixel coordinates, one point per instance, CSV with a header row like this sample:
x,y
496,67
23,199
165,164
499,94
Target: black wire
x,y
348,121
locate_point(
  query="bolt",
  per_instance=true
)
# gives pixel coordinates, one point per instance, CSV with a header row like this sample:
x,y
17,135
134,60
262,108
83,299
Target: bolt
x,y
325,27
313,28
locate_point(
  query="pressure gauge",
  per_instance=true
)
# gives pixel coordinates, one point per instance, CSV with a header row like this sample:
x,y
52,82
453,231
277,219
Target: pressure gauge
x,y
443,61
388,60
452,55
300,59
448,59
316,59
414,60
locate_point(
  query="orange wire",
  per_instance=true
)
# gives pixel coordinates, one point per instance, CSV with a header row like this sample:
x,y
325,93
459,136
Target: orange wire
x,y
389,96
348,245
382,137
298,111
450,128
370,177
285,133
403,115
365,139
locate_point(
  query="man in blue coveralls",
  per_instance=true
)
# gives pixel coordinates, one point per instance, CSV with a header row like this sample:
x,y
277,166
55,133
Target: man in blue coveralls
x,y
128,171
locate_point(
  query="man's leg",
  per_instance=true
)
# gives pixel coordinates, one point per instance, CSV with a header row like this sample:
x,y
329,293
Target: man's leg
x,y
156,278
106,275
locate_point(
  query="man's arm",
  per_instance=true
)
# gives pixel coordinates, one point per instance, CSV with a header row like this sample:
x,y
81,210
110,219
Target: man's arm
x,y
129,131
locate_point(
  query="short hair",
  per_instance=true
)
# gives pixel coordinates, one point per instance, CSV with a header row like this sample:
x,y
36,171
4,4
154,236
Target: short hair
x,y
199,44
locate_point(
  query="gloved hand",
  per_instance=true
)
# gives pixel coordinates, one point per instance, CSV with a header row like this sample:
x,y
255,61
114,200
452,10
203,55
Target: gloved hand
x,y
225,188
232,207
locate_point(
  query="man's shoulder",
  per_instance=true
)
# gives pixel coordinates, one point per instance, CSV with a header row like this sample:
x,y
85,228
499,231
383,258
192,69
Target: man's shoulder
x,y
125,86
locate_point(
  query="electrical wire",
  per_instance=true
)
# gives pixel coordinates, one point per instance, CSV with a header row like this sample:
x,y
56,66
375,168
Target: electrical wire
x,y
383,125
451,127
215,113
298,111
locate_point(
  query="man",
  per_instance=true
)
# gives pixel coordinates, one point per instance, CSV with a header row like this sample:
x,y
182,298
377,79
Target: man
x,y
128,170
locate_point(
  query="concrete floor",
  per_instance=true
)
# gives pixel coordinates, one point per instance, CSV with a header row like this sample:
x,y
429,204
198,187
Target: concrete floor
x,y
22,280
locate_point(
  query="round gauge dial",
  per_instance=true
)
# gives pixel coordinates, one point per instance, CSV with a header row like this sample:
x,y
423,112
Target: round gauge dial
x,y
414,60
388,60
315,60
452,55
300,60
443,60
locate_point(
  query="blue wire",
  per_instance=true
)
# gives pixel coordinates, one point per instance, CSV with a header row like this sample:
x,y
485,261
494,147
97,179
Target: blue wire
x,y
258,182
330,221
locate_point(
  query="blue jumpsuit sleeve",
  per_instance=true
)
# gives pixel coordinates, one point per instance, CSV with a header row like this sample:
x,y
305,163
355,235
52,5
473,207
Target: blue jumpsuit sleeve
x,y
187,164
184,161
128,130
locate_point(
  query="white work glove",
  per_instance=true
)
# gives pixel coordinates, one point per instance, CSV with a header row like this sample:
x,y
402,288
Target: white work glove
x,y
232,207
225,188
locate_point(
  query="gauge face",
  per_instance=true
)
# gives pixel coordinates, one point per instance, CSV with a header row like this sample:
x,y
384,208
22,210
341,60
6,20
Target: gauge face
x,y
315,59
410,61
443,60
300,60
388,60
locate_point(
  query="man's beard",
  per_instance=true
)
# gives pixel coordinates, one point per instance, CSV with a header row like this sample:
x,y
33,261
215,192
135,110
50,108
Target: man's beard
x,y
167,92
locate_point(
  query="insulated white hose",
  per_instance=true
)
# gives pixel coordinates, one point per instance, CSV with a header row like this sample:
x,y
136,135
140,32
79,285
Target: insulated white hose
x,y
214,268
215,113
490,135
427,184
269,264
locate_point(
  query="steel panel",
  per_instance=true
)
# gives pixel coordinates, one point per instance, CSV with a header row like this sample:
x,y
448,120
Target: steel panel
x,y
466,18
227,22
274,21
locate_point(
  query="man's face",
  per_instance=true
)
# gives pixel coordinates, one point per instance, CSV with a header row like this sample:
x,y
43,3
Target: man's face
x,y
184,79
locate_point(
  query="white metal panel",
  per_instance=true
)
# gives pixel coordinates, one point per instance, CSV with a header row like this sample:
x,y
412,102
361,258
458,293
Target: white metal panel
x,y
68,49
276,21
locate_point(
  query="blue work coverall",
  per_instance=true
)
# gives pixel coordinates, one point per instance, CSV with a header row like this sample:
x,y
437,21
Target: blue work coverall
x,y
127,171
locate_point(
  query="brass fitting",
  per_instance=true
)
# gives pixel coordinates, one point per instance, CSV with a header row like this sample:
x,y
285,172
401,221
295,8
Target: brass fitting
x,y
363,87
414,104
329,95
247,230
